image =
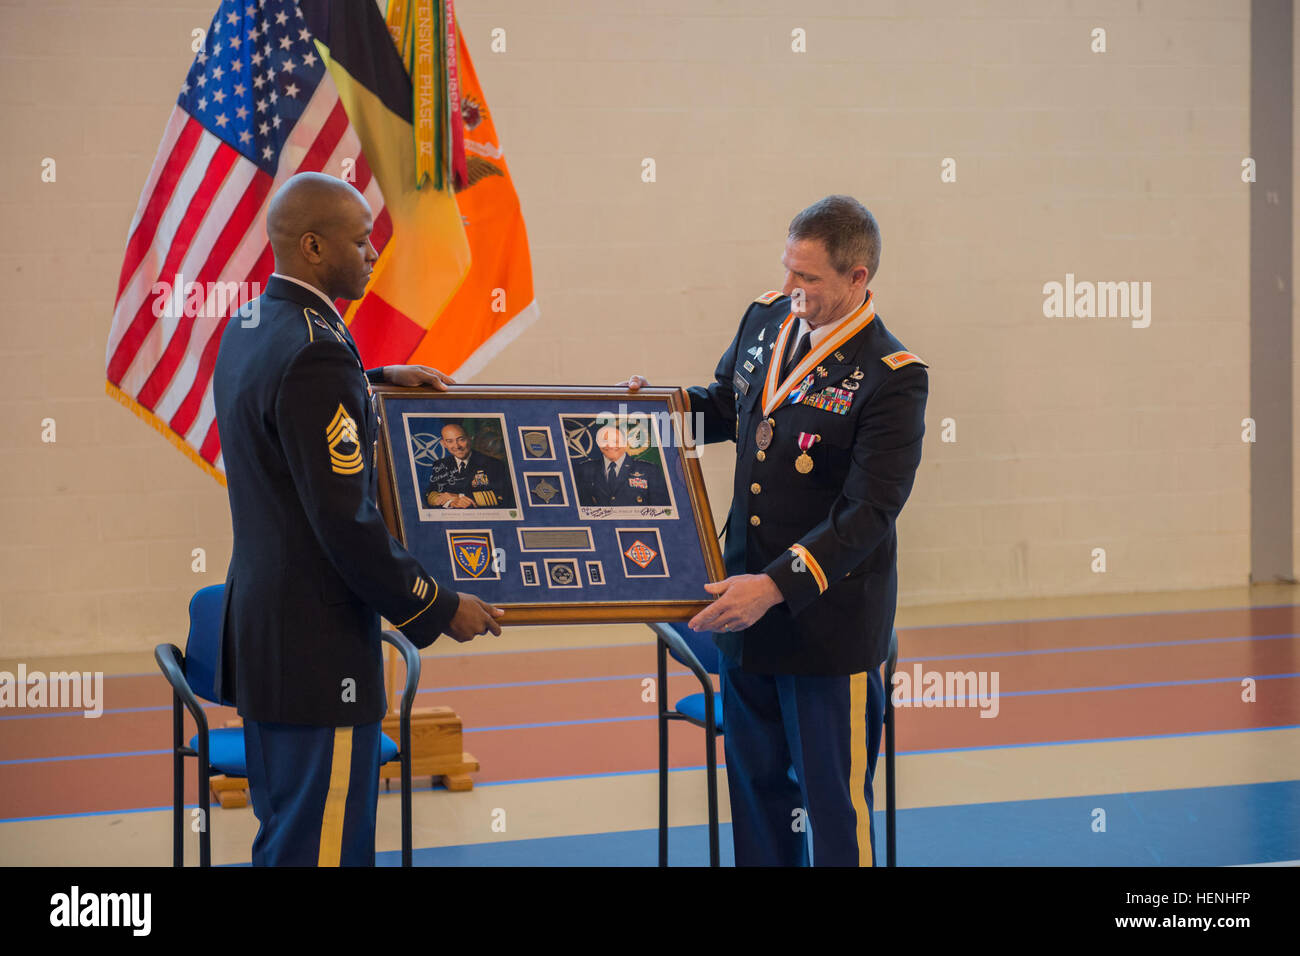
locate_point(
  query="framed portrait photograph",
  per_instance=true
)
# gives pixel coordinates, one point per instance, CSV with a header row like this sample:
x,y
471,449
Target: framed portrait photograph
x,y
559,504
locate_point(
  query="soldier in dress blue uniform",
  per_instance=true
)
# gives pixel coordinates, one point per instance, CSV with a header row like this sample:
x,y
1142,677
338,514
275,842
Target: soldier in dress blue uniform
x,y
466,478
313,564
617,480
827,410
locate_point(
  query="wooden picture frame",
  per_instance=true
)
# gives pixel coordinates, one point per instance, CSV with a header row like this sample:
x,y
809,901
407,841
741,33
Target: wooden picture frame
x,y
568,540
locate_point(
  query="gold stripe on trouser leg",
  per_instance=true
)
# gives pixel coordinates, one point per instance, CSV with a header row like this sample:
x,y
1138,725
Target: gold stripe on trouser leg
x,y
858,763
336,801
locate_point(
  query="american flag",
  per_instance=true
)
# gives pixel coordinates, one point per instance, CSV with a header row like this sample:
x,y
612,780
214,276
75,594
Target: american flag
x,y
257,106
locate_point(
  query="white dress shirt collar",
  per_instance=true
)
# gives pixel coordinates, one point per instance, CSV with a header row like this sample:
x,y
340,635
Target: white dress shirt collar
x,y
819,334
310,288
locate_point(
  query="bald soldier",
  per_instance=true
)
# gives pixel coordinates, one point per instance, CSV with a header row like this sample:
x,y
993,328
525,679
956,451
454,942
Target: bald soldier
x,y
465,477
313,565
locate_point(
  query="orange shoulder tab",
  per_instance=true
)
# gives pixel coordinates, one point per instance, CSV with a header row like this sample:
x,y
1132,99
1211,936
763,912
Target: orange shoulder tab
x,y
897,360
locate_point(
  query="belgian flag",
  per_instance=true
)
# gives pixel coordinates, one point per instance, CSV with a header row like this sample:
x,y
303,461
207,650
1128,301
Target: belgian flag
x,y
453,284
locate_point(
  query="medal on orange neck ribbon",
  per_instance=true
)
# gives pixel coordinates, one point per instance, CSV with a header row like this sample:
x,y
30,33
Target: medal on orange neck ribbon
x,y
804,463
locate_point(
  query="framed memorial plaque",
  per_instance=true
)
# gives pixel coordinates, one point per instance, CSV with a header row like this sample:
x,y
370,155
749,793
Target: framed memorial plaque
x,y
560,505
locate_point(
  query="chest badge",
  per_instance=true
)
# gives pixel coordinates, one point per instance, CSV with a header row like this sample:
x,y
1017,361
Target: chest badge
x,y
800,390
804,463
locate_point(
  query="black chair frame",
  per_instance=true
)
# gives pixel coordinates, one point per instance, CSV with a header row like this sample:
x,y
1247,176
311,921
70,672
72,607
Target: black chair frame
x,y
172,664
668,638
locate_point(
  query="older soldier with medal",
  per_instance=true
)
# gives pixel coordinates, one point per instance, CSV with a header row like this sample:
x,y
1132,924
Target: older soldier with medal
x,y
827,410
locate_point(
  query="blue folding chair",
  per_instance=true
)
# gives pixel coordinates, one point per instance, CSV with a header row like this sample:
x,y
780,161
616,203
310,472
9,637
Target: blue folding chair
x,y
192,676
700,654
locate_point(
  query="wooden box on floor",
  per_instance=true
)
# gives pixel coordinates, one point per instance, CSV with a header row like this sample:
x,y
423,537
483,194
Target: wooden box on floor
x,y
436,749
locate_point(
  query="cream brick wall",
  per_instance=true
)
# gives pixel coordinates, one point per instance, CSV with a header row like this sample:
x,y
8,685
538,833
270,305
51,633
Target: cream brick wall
x,y
1071,434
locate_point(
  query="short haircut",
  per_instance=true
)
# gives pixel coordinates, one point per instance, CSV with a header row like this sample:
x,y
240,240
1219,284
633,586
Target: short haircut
x,y
846,228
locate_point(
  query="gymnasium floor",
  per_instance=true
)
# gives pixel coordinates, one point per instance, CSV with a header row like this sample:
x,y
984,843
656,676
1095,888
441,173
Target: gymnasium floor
x,y
1121,738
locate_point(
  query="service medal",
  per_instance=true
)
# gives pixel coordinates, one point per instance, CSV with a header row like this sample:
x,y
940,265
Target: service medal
x,y
804,463
763,437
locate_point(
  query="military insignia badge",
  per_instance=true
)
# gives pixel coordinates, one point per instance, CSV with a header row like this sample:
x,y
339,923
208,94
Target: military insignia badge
x,y
545,489
832,399
800,390
897,360
767,298
641,554
595,572
850,384
804,463
761,333
839,356
821,371
638,481
318,320
339,433
480,479
749,366
472,556
562,573
536,442
471,553
856,375
756,353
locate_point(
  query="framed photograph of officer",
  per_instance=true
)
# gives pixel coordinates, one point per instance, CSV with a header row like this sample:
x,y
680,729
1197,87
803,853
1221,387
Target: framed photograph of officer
x,y
617,466
460,466
558,504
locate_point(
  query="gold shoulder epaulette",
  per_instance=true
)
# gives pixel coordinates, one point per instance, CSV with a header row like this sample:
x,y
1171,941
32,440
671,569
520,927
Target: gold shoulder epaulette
x,y
315,318
897,360
767,298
